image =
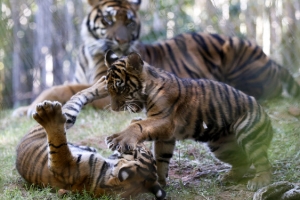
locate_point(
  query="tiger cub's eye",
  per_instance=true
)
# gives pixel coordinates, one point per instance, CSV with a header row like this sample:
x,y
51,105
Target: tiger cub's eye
x,y
107,20
120,86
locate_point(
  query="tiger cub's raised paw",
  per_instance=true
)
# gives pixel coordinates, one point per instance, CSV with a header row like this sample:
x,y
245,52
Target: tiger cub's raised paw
x,y
49,114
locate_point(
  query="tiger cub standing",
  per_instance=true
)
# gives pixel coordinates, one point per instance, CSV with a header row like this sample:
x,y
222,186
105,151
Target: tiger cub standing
x,y
45,158
235,127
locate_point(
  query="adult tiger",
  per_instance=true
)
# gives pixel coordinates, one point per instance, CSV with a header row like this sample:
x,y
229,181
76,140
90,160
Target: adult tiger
x,y
235,127
45,158
115,25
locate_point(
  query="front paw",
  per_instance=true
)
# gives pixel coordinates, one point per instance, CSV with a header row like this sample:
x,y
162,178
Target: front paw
x,y
121,142
49,114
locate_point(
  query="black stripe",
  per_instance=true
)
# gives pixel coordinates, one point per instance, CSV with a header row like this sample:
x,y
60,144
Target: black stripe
x,y
141,128
222,109
89,28
79,158
52,145
147,156
228,101
253,135
166,155
170,109
70,118
236,98
92,167
150,103
173,58
102,175
44,157
35,154
71,107
164,161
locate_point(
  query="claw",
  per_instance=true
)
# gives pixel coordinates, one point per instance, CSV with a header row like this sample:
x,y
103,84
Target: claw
x,y
108,140
33,114
110,145
127,147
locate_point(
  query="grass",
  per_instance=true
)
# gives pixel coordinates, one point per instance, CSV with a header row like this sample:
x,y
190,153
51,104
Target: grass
x,y
193,171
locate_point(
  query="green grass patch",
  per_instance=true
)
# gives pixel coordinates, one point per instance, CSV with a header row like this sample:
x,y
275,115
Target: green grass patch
x,y
193,170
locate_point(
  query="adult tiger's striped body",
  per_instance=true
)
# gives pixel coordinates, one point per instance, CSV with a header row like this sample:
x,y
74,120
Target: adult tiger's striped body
x,y
239,63
235,127
45,158
115,25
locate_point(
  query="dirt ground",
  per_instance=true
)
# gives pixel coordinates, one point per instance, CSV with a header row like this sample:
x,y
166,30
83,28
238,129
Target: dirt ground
x,y
189,176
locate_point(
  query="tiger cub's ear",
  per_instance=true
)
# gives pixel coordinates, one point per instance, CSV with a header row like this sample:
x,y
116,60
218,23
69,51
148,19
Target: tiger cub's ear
x,y
125,173
134,62
110,58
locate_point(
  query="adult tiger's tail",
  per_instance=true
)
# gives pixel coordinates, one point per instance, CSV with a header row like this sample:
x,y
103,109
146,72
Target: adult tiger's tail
x,y
291,85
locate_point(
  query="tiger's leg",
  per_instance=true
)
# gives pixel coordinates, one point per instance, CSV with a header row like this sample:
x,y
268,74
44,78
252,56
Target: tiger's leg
x,y
96,92
254,138
50,116
55,118
163,152
227,150
60,93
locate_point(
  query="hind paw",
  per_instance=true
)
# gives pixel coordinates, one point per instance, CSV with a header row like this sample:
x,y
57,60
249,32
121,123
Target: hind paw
x,y
260,180
49,114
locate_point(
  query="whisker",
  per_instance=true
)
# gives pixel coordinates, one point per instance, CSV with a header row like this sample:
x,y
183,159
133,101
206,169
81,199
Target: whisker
x,y
129,108
107,107
136,105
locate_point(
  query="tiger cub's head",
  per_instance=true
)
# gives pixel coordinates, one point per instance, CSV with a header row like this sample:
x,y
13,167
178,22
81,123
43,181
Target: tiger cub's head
x,y
112,24
125,82
137,172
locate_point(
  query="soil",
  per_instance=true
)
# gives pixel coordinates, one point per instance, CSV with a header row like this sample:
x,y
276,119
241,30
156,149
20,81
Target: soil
x,y
187,176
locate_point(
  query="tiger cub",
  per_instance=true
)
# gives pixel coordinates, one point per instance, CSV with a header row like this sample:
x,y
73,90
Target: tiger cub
x,y
235,127
46,158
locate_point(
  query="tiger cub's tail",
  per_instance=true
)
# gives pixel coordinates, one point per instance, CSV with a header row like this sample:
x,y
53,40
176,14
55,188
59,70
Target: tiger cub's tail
x,y
291,85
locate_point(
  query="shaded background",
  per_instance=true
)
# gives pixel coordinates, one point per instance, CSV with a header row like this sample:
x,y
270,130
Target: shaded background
x,y
39,38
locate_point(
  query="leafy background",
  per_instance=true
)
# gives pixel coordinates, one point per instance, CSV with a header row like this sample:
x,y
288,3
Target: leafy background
x,y
40,38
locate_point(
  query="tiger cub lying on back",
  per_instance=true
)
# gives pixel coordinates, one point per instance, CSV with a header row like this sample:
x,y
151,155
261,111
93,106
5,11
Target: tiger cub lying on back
x,y
235,127
44,157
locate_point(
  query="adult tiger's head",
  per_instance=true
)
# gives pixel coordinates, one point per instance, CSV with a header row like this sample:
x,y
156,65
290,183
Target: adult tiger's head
x,y
124,82
112,24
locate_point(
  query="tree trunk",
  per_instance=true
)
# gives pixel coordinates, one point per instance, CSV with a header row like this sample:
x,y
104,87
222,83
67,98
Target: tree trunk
x,y
43,44
17,68
59,41
289,43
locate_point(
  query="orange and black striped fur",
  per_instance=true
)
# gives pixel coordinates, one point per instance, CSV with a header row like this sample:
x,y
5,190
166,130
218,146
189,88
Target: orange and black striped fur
x,y
115,25
235,127
46,158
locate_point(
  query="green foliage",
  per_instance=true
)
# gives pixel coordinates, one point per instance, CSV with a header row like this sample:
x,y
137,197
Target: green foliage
x,y
274,25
